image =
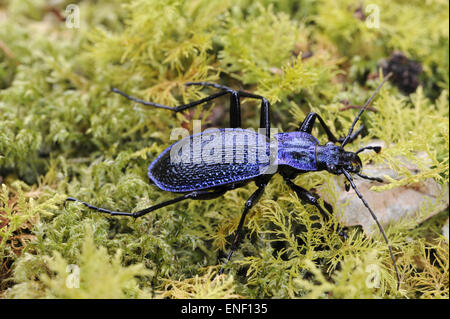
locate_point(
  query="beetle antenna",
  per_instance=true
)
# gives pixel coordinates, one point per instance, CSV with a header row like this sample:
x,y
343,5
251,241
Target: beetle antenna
x,y
350,179
346,140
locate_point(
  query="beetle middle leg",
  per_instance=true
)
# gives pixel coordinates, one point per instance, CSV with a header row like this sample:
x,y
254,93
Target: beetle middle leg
x,y
308,124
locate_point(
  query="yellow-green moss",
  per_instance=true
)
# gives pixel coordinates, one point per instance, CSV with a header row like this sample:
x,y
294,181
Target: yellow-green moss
x,y
62,133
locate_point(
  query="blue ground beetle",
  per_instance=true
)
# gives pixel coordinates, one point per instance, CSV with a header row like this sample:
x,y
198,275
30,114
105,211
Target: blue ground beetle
x,y
297,152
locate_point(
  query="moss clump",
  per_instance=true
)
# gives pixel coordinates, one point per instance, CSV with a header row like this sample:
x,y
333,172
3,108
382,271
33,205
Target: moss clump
x,y
96,275
62,133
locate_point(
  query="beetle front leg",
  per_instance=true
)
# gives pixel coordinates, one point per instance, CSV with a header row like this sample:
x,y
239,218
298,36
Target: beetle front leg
x,y
308,124
370,178
306,196
354,135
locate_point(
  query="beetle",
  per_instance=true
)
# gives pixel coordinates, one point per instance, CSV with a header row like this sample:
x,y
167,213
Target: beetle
x,y
181,168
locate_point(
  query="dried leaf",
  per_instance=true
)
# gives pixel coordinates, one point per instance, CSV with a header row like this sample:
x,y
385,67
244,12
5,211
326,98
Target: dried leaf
x,y
418,201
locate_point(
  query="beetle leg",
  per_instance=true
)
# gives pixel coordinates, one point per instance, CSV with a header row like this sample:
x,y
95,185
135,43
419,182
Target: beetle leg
x,y
265,116
235,105
192,195
370,178
377,149
215,85
235,101
235,110
353,136
264,121
136,214
308,123
237,236
175,108
306,196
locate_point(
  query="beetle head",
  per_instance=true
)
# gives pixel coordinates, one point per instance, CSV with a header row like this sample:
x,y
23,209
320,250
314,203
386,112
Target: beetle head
x,y
334,159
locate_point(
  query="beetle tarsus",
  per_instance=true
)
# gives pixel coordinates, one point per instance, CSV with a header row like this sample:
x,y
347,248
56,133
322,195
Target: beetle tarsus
x,y
370,178
377,149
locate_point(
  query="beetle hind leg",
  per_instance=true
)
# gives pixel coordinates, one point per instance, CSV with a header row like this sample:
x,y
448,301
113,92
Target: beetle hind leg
x,y
196,195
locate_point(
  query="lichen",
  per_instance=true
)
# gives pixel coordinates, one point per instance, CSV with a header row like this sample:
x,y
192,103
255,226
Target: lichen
x,y
62,133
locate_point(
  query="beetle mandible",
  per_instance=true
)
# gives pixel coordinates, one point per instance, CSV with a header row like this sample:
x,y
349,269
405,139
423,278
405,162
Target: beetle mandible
x,y
297,152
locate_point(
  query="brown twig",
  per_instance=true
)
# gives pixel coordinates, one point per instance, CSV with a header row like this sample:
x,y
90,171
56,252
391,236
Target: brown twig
x,y
349,106
8,52
57,14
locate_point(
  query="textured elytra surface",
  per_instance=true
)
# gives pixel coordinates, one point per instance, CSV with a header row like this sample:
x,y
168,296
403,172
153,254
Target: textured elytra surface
x,y
211,159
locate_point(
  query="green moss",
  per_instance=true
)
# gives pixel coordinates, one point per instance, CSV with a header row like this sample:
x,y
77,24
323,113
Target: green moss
x,y
421,32
94,276
62,134
208,286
